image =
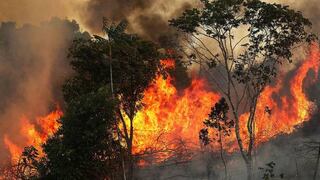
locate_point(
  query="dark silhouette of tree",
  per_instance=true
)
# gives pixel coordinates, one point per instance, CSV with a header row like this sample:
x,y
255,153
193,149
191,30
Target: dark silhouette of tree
x,y
220,123
241,44
135,63
111,74
84,147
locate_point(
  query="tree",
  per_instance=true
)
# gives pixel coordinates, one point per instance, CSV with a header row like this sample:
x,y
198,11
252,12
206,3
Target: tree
x,y
126,65
218,120
138,62
243,42
84,147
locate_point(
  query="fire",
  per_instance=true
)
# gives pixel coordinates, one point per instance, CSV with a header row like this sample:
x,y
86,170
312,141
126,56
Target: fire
x,y
289,110
169,115
34,133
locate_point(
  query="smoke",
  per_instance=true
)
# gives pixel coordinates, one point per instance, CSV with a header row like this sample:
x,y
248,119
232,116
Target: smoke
x,y
34,64
37,11
148,18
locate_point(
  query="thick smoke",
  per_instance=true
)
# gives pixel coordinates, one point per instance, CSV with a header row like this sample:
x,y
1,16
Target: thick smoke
x,y
148,18
34,64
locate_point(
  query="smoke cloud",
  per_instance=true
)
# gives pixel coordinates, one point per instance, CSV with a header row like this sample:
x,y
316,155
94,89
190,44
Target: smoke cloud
x,y
148,18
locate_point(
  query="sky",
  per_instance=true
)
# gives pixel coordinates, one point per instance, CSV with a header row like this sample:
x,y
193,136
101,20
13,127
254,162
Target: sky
x,y
86,12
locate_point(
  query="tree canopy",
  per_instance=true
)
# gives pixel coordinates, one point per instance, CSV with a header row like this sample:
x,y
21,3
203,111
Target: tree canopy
x,y
87,144
241,44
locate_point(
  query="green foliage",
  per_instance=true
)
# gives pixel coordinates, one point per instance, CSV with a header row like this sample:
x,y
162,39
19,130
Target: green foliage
x,y
84,147
134,64
271,32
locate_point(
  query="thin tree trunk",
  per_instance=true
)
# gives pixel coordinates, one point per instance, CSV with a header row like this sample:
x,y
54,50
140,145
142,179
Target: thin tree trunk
x,y
116,124
130,153
249,169
222,157
317,165
251,131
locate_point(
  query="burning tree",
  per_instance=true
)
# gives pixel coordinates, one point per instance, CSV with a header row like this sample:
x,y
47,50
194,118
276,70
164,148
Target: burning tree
x,y
244,42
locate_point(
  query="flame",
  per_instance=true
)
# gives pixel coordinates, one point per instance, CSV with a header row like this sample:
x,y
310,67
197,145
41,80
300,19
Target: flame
x,y
169,115
14,150
34,133
288,110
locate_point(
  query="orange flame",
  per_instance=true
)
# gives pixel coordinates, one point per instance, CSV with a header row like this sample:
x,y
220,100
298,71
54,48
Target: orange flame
x,y
34,134
169,115
287,111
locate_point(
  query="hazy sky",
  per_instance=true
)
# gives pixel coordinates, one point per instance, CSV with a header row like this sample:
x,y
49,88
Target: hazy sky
x,y
35,11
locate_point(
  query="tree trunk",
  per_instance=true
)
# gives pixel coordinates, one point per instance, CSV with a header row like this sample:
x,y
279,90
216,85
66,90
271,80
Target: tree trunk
x,y
131,167
317,165
116,123
130,153
249,169
222,157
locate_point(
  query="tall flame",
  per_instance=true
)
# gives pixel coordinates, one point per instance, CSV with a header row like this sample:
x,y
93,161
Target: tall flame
x,y
289,110
169,115
34,133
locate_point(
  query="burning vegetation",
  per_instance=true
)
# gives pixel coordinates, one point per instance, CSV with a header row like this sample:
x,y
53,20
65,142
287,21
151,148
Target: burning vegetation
x,y
124,117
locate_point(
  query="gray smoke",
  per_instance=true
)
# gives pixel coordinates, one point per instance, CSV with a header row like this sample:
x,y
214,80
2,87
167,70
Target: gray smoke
x,y
148,18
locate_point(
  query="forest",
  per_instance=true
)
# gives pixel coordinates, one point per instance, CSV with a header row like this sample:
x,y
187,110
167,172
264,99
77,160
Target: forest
x,y
142,89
